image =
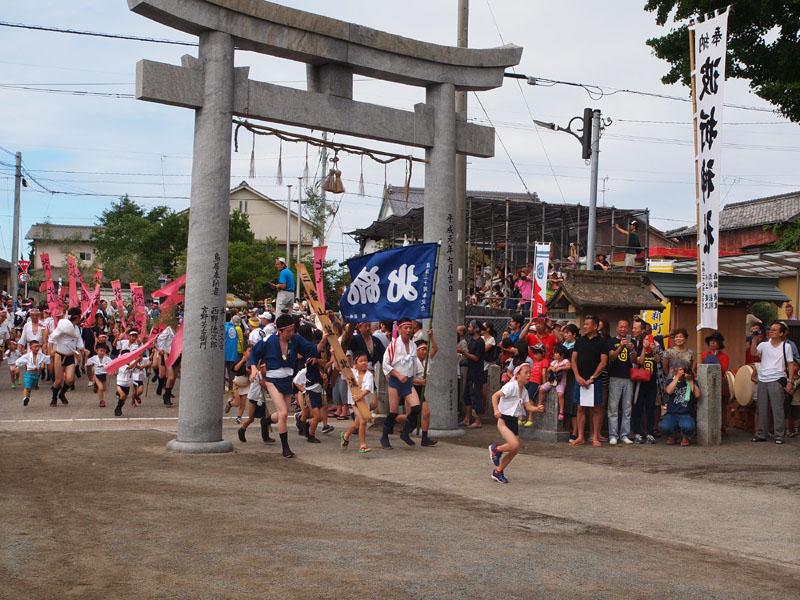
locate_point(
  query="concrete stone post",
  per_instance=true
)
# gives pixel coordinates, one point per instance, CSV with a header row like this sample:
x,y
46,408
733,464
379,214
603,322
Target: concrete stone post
x,y
440,224
709,406
546,426
200,411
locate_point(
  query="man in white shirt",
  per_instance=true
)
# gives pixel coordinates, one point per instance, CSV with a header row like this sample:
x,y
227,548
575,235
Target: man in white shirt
x,y
67,341
774,381
6,328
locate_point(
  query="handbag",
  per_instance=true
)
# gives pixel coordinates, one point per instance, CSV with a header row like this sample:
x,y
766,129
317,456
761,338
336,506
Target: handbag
x,y
642,375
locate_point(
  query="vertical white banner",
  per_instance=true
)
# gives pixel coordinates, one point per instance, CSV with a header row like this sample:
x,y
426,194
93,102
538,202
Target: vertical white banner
x,y
540,268
710,41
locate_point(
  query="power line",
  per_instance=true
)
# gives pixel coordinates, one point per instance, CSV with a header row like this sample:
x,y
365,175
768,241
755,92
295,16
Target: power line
x,y
116,36
68,92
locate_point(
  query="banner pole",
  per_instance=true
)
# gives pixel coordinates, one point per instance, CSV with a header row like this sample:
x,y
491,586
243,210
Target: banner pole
x,y
433,305
696,184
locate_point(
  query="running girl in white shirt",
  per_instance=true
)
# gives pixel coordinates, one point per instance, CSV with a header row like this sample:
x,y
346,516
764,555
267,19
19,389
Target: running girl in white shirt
x,y
366,384
98,362
509,403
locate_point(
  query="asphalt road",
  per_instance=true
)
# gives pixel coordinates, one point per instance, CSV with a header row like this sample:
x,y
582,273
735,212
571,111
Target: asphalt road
x,y
92,506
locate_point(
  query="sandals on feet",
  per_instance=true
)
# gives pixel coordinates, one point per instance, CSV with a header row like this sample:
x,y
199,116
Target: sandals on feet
x,y
343,441
364,450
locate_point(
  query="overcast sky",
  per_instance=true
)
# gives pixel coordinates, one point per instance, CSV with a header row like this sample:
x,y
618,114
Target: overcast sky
x,y
97,148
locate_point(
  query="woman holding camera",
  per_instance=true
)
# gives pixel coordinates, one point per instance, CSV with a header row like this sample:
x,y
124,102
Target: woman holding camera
x,y
681,390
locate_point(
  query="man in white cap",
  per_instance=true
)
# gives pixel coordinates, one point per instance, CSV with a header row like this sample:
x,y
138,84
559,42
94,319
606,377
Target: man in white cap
x,y
285,287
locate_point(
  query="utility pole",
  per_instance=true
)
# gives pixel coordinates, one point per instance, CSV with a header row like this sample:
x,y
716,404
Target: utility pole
x,y
288,222
299,227
462,246
15,239
590,237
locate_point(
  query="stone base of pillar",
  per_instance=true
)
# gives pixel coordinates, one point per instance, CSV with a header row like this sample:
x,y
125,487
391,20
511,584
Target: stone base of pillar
x,y
709,405
446,433
219,447
546,426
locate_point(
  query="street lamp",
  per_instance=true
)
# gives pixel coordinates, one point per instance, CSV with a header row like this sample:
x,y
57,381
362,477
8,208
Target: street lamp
x,y
589,138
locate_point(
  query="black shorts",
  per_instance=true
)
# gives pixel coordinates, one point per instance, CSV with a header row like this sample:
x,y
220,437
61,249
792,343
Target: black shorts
x,y
100,377
66,359
138,384
126,389
512,423
315,399
261,409
177,363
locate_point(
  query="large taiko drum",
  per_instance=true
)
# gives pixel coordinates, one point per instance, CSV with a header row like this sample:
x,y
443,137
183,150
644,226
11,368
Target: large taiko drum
x,y
743,386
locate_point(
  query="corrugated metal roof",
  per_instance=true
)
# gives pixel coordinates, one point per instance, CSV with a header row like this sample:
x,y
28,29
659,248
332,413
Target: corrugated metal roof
x,y
677,285
57,232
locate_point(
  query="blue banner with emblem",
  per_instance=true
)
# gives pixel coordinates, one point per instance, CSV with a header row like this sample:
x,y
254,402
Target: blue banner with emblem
x,y
391,284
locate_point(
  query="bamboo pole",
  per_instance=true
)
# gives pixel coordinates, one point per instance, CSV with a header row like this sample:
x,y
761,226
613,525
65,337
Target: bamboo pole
x,y
696,186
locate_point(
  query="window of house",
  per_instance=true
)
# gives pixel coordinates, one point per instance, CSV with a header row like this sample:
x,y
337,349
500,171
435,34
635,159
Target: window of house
x,y
85,255
245,206
240,206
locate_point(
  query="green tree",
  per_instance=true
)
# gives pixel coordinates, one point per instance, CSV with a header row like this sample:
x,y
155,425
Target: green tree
x,y
129,240
763,46
239,228
788,236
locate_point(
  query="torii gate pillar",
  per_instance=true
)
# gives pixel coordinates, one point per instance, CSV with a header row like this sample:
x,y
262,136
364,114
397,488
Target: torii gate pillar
x,y
200,409
440,224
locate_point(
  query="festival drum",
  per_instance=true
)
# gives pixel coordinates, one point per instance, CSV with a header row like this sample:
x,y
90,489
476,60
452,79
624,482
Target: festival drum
x,y
743,386
731,385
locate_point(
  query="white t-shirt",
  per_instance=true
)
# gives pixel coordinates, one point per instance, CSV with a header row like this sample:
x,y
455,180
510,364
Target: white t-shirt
x,y
772,365
99,367
300,379
367,383
256,336
511,401
124,376
255,392
6,327
400,358
32,364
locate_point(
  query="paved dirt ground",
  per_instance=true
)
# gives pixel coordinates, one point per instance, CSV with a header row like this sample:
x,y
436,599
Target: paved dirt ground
x,y
93,507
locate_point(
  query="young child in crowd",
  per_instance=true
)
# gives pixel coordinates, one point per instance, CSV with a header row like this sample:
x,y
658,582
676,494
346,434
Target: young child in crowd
x,y
123,385
538,374
98,363
366,384
508,403
33,361
12,355
256,404
556,376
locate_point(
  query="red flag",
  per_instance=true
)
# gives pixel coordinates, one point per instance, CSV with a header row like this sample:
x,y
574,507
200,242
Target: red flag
x,y
115,287
93,305
139,310
48,273
129,357
319,264
170,292
177,346
73,278
98,277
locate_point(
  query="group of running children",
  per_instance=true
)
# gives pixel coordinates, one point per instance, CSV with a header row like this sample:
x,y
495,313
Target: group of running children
x,y
62,357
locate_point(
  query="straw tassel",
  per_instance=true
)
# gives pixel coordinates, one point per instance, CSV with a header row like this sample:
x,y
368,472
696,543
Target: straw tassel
x,y
361,180
333,182
253,159
279,176
306,172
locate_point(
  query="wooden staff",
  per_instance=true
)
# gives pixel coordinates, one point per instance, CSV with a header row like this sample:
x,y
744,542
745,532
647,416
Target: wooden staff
x,y
333,341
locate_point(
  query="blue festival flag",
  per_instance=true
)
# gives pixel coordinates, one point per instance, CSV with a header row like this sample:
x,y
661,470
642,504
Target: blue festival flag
x,y
391,284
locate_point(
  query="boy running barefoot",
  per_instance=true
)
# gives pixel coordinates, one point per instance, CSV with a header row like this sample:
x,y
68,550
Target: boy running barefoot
x,y
367,386
509,403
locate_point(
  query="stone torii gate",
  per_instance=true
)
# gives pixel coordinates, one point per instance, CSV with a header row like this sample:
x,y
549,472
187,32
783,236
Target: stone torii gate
x,y
333,51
